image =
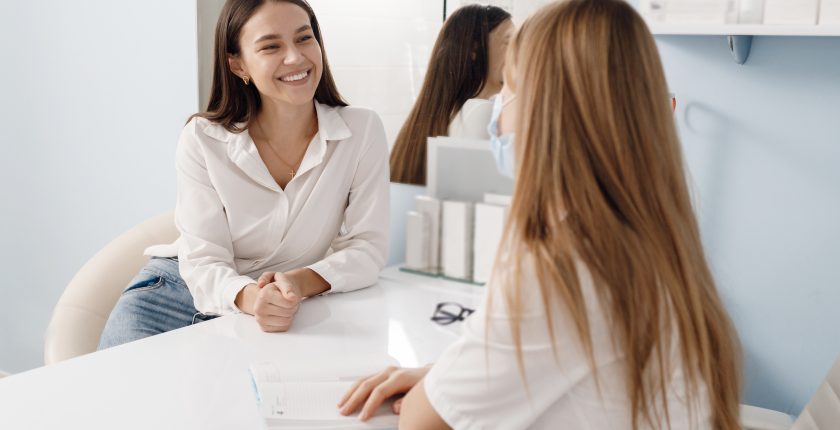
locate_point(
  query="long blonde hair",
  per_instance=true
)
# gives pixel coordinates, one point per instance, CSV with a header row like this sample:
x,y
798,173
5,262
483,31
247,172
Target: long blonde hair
x,y
600,180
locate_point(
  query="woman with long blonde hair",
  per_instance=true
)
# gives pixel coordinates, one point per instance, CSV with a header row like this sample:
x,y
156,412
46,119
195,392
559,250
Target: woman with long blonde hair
x,y
602,312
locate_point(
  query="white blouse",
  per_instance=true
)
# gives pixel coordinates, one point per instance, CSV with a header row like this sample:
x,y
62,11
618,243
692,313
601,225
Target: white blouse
x,y
472,120
476,383
237,223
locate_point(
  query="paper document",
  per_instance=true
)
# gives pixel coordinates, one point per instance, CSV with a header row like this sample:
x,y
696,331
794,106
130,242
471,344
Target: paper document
x,y
310,403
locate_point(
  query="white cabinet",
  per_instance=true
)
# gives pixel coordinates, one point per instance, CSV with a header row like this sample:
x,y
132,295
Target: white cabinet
x,y
743,19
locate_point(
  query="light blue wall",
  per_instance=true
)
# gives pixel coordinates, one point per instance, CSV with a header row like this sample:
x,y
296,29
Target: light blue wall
x,y
402,201
762,142
93,95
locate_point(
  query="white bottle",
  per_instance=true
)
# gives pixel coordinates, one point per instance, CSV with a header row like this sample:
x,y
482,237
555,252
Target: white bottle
x,y
431,207
417,250
700,11
456,246
653,10
797,12
830,12
751,12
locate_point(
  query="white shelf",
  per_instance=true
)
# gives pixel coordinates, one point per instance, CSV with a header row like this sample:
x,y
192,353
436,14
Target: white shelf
x,y
743,29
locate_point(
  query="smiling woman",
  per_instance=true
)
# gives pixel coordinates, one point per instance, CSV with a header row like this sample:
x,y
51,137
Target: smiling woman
x,y
267,176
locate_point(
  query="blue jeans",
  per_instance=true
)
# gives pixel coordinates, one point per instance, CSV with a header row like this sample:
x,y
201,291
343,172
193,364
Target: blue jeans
x,y
156,301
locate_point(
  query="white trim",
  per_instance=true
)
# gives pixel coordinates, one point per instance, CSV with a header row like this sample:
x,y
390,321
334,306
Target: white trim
x,y
744,29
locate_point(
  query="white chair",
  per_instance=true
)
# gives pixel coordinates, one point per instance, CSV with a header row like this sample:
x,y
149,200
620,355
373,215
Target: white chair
x,y
821,413
80,315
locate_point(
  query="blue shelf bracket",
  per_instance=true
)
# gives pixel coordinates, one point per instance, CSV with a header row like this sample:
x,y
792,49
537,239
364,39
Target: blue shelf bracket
x,y
740,47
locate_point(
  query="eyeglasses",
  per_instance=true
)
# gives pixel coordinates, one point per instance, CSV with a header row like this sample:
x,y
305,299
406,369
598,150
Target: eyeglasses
x,y
448,312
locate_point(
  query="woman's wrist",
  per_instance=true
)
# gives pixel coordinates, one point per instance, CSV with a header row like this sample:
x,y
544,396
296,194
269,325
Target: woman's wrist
x,y
308,282
246,298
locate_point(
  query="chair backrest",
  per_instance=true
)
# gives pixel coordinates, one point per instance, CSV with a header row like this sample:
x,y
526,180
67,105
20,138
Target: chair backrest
x,y
823,410
80,314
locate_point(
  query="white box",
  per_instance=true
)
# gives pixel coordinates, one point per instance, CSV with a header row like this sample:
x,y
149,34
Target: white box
x,y
489,226
456,246
430,206
417,250
790,11
463,170
830,12
497,199
751,12
700,11
653,10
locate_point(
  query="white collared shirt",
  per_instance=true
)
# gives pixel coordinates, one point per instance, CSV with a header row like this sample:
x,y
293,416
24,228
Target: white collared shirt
x,y
471,121
477,384
237,223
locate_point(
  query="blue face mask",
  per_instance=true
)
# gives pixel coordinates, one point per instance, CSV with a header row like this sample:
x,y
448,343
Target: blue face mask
x,y
502,146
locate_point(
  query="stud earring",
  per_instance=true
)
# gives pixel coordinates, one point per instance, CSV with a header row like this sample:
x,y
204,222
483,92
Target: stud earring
x,y
246,79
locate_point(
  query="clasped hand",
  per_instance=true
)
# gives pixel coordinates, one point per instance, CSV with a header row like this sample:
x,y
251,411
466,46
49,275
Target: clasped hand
x,y
277,302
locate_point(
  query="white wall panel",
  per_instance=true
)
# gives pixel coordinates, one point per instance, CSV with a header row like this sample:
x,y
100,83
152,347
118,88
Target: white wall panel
x,y
379,51
95,94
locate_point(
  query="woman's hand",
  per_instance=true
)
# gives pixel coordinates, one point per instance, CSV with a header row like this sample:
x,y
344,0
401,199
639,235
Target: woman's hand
x,y
370,392
307,282
277,302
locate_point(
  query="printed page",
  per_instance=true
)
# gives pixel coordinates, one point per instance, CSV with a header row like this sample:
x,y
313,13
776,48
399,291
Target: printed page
x,y
313,404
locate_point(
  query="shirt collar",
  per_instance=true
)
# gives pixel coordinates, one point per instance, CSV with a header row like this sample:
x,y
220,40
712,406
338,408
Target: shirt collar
x,y
331,125
331,128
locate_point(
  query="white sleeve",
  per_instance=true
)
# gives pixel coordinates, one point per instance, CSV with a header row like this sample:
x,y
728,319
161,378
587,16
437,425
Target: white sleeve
x,y
476,383
205,251
361,251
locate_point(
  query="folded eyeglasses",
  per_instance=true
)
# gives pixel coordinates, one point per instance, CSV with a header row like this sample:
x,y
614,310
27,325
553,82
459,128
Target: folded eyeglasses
x,y
448,312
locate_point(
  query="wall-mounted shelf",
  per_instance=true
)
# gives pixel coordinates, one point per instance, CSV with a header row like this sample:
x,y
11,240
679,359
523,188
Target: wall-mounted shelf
x,y
739,36
744,29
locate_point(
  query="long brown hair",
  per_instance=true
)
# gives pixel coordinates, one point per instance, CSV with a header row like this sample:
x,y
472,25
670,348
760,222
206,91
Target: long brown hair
x,y
600,180
231,101
457,72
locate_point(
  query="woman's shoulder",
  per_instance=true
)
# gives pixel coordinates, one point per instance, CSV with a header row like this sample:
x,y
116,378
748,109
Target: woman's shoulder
x,y
520,275
476,110
202,131
473,106
357,116
356,123
201,136
471,121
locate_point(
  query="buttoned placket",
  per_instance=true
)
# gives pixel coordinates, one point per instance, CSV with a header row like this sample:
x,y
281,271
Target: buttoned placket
x,y
243,152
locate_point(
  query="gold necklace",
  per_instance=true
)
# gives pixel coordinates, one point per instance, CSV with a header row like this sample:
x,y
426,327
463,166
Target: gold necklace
x,y
292,172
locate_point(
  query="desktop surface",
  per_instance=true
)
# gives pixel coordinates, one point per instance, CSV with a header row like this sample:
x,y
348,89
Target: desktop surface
x,y
197,377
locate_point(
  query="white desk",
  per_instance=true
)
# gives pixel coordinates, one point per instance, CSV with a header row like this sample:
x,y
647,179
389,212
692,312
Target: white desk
x,y
197,377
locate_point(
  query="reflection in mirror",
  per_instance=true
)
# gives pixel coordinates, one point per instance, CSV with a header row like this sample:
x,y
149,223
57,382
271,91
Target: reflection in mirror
x,y
465,70
378,51
381,54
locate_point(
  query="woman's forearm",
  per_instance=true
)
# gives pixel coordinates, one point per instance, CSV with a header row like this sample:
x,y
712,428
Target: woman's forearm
x,y
305,280
246,298
309,283
417,412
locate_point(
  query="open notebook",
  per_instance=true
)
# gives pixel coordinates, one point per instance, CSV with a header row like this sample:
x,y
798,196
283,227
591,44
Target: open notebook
x,y
309,402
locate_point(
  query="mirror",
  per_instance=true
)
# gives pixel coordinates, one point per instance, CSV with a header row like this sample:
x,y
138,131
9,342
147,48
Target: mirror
x,y
379,50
